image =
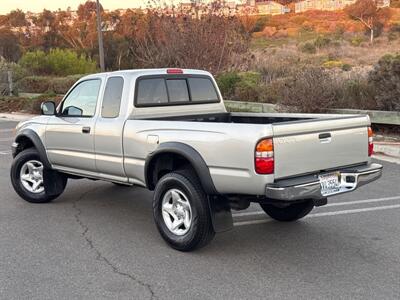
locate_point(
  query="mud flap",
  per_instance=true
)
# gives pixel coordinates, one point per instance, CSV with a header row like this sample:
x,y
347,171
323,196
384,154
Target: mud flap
x,y
220,214
54,182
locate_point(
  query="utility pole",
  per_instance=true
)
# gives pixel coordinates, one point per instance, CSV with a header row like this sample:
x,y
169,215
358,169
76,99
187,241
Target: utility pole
x,y
100,34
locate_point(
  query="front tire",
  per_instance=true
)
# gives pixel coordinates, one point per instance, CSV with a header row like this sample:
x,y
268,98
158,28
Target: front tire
x,y
181,211
290,213
27,178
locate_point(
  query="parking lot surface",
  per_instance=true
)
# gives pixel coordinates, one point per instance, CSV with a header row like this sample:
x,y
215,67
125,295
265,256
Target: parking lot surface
x,y
98,241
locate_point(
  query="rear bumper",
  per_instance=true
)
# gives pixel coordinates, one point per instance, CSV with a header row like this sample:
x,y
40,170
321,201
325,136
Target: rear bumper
x,y
308,187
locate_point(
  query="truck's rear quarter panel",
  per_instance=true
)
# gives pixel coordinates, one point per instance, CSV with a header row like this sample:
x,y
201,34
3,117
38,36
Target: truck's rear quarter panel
x,y
228,150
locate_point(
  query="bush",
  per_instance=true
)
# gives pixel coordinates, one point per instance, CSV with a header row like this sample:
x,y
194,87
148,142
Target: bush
x,y
322,41
385,78
45,84
57,62
34,84
308,47
357,94
392,36
346,67
331,64
260,23
227,83
357,41
248,88
309,90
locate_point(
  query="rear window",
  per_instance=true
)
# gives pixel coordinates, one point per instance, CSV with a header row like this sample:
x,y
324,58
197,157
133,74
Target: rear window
x,y
175,90
202,89
152,92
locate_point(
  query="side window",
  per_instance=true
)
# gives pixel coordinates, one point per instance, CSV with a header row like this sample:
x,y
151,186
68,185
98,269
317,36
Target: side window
x,y
112,97
177,90
82,101
202,89
152,91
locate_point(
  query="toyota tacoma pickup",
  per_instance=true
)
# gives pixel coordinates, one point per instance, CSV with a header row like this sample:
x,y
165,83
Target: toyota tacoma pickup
x,y
168,130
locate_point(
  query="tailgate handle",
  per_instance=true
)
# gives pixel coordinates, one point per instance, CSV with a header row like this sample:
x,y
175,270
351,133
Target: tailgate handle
x,y
324,136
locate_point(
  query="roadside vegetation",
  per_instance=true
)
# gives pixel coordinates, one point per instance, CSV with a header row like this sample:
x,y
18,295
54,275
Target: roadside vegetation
x,y
304,62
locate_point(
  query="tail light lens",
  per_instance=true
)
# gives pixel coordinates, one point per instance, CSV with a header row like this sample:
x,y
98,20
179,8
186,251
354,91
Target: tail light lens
x,y
264,157
370,141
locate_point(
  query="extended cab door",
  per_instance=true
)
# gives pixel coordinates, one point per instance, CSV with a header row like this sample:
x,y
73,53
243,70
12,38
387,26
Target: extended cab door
x,y
109,130
70,134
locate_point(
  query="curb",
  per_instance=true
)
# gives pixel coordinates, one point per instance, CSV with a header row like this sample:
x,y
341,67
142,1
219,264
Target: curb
x,y
16,116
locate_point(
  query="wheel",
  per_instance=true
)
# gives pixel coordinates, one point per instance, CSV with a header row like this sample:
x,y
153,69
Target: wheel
x,y
181,211
27,177
289,213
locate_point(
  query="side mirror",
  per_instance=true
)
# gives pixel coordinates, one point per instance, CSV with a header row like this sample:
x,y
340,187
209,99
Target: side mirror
x,y
48,108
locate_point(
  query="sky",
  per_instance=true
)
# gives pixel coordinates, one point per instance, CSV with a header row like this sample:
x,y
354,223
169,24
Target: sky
x,y
38,5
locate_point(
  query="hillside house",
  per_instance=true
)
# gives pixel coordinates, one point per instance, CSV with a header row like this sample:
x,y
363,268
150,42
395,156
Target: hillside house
x,y
306,5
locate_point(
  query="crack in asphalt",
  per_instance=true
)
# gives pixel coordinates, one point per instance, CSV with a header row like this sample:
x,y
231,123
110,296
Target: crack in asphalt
x,y
100,256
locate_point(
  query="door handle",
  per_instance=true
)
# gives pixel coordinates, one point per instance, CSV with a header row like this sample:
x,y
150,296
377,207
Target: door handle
x,y
86,129
324,135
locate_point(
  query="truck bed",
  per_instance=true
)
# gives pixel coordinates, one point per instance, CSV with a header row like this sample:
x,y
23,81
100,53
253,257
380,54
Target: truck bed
x,y
241,118
303,143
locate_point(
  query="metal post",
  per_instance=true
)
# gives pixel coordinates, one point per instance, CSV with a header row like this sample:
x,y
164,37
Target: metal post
x,y
10,83
100,34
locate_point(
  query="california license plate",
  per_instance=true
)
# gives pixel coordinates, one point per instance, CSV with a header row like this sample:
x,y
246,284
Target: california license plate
x,y
330,183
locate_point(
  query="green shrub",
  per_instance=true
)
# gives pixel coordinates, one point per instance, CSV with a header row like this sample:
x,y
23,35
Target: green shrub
x,y
308,47
385,78
346,67
227,83
322,41
357,41
331,64
57,62
248,88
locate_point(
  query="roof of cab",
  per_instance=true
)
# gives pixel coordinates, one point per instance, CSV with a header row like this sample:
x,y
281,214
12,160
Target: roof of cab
x,y
139,72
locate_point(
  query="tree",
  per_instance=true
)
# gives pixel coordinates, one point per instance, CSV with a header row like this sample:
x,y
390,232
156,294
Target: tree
x,y
369,14
85,11
9,45
16,18
385,79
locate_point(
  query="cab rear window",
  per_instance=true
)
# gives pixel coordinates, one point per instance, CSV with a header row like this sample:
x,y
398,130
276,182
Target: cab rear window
x,y
174,90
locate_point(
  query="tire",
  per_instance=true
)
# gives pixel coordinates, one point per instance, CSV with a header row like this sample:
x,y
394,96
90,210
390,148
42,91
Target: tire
x,y
186,185
289,213
22,163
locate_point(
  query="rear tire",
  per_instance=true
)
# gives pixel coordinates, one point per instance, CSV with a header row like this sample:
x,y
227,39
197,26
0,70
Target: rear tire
x,y
179,198
27,178
289,213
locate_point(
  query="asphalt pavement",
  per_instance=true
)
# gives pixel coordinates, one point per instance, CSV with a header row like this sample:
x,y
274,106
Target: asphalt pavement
x,y
99,241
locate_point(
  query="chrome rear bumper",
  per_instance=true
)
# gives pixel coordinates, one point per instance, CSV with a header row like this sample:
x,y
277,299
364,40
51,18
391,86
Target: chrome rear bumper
x,y
308,187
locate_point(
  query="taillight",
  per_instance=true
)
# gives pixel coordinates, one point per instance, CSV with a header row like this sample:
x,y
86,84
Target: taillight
x,y
370,141
264,157
174,71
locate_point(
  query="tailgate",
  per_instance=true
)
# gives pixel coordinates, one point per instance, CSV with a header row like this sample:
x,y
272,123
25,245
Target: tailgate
x,y
314,145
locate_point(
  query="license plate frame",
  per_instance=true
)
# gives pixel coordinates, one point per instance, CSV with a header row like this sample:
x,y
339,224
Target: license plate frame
x,y
330,183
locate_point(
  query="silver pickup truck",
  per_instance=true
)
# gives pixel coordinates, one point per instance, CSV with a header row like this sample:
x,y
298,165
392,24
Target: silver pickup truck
x,y
168,130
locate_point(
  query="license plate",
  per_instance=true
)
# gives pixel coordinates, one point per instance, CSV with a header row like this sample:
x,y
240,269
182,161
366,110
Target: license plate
x,y
330,183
